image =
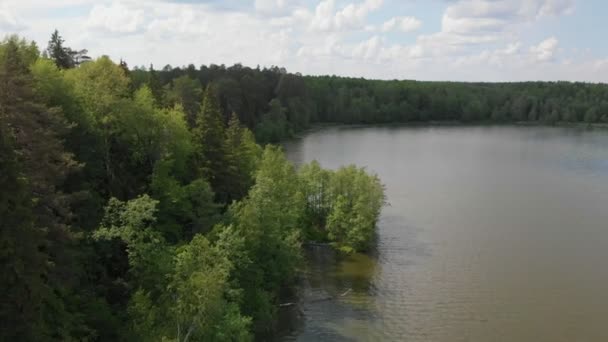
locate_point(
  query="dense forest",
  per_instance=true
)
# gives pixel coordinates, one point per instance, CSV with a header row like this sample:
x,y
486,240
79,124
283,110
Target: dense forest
x,y
141,204
276,104
132,210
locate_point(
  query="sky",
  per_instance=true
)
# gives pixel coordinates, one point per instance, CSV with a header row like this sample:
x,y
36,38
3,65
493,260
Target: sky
x,y
454,40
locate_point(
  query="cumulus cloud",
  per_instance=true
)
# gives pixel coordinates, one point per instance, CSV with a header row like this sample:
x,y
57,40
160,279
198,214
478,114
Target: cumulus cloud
x,y
469,23
404,24
545,51
473,16
351,16
477,39
117,18
178,22
367,49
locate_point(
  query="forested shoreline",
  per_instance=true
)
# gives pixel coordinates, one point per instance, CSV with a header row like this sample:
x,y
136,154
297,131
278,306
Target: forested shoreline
x,y
141,204
132,213
276,104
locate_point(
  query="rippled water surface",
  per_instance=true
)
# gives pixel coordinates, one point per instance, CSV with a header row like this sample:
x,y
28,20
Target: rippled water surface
x,y
492,234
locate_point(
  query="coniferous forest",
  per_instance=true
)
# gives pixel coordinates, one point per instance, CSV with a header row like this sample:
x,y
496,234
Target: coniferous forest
x,y
143,204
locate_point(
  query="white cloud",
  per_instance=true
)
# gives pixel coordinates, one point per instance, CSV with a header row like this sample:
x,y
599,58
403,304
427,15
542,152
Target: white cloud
x,y
116,18
178,22
24,5
404,24
367,49
473,16
467,24
9,22
478,39
545,51
352,16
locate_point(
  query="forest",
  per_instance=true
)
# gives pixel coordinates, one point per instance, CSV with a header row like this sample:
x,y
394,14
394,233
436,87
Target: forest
x,y
139,204
276,104
137,211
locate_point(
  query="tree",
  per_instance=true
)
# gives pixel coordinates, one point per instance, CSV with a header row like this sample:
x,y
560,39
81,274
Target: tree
x,y
358,199
22,264
316,187
591,115
57,52
180,293
263,240
36,131
199,284
208,139
133,224
242,156
155,86
101,89
187,92
184,210
273,126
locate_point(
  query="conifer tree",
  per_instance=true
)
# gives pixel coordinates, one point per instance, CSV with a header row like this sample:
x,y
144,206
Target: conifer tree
x,y
209,142
60,54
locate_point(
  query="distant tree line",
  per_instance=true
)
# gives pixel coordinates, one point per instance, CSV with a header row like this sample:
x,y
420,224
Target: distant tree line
x,y
276,104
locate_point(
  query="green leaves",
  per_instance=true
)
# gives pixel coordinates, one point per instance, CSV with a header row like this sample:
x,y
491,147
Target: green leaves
x,y
273,127
208,139
181,293
342,206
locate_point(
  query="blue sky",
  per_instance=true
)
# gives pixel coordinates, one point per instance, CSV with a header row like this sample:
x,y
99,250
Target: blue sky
x,y
461,40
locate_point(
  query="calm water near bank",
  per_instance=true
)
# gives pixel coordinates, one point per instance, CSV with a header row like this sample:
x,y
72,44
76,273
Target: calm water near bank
x,y
492,234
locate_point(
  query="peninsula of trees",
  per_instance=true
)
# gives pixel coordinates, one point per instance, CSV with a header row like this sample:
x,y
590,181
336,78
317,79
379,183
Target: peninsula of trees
x,y
137,211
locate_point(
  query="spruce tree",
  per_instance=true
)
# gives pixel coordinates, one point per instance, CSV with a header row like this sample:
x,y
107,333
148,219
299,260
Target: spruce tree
x,y
60,54
208,135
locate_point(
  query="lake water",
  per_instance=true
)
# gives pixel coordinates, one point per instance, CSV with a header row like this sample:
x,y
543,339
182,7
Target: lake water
x,y
491,234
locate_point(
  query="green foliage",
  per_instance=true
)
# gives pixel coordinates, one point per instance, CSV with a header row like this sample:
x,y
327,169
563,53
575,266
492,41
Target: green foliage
x,y
208,251
273,126
40,162
208,139
242,156
185,210
153,82
194,306
359,197
264,238
315,183
21,262
132,223
64,57
58,52
341,206
180,293
186,92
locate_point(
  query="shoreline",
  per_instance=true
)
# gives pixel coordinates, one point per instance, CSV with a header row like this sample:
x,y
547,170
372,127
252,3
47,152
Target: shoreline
x,y
453,123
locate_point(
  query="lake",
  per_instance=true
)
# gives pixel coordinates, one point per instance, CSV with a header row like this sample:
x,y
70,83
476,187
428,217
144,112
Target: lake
x,y
490,234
